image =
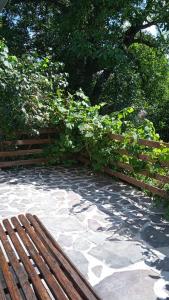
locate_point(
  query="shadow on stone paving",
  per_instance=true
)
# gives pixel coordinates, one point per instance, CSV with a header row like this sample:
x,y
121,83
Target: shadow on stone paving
x,y
125,213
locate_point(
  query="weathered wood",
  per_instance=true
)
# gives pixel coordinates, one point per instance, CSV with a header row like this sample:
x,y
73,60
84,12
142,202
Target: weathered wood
x,y
53,285
26,142
131,180
116,137
39,287
148,158
20,152
144,157
23,162
25,148
40,131
37,267
11,284
19,270
148,143
2,294
128,167
153,144
137,183
48,130
52,263
78,279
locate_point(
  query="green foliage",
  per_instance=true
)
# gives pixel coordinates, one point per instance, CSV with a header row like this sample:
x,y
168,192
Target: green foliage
x,y
27,87
143,83
34,94
154,85
84,131
106,47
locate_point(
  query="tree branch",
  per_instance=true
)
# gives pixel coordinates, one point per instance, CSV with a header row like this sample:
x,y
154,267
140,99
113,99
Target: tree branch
x,y
145,42
130,34
147,25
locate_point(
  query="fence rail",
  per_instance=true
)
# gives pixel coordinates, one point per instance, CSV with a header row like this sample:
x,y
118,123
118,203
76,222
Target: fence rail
x,y
125,169
23,150
148,143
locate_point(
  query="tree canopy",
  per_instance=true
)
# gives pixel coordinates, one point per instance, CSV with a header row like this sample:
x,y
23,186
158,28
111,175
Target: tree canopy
x,y
94,70
106,46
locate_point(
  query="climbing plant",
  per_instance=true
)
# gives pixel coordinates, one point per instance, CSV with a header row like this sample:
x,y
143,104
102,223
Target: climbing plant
x,y
34,94
84,131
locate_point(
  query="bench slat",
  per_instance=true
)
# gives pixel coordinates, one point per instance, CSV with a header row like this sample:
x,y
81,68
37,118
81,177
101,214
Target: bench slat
x,y
39,287
52,263
34,267
55,288
12,287
19,270
2,294
78,279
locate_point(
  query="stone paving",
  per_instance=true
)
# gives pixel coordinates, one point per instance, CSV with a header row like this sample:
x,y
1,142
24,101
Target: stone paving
x,y
111,231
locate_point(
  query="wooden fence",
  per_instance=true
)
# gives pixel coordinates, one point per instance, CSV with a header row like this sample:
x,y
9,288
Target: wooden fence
x,y
24,150
125,169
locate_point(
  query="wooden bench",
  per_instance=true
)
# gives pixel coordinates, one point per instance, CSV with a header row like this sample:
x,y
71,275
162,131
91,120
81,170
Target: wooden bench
x,y
33,266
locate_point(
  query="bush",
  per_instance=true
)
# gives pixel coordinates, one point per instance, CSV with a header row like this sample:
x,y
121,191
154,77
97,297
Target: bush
x,y
27,87
34,94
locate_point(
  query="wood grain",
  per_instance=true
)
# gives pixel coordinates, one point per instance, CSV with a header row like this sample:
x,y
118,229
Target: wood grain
x,y
35,279
20,152
148,143
78,279
35,267
23,162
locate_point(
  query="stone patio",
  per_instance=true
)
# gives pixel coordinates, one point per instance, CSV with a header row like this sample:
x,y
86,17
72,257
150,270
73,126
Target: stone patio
x,y
111,231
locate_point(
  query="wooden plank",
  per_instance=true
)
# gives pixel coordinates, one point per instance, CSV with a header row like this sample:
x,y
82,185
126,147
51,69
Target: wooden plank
x,y
23,162
148,143
148,158
128,167
78,279
137,183
159,177
2,294
131,180
51,261
143,157
27,142
39,287
19,270
20,152
49,130
11,284
153,144
34,254
117,137
143,142
40,130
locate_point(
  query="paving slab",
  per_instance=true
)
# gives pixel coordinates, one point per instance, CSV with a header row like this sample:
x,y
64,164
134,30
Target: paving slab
x,y
118,254
128,285
111,231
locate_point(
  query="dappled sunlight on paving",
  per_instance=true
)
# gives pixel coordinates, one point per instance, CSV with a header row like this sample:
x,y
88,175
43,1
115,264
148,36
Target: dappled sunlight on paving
x,y
111,231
